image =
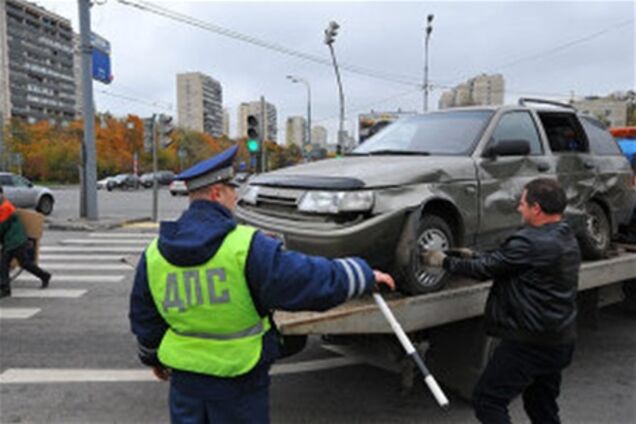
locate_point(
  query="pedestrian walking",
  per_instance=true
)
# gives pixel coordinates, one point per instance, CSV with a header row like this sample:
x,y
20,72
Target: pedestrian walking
x,y
15,244
531,307
203,296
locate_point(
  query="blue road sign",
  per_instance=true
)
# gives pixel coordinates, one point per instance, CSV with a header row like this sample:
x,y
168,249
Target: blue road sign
x,y
101,59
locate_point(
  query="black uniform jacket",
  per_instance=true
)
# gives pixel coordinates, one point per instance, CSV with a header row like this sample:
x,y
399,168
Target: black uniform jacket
x,y
535,277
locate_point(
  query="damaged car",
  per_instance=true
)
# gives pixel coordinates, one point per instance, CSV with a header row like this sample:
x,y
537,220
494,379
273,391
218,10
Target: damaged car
x,y
445,179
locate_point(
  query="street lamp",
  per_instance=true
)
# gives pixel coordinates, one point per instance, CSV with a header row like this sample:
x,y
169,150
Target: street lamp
x,y
330,33
429,29
304,81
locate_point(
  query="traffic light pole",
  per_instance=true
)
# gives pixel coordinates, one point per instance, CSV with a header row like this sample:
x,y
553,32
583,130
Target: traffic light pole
x,y
88,177
263,163
155,185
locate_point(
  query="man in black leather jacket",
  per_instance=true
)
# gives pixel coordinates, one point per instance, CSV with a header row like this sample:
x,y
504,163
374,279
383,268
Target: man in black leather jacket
x,y
531,307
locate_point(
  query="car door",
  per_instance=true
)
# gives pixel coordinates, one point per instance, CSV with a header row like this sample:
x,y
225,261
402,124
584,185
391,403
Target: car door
x,y
576,168
25,194
502,178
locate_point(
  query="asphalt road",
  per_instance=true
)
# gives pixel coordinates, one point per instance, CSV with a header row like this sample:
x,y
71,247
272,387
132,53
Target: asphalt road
x,y
118,204
74,360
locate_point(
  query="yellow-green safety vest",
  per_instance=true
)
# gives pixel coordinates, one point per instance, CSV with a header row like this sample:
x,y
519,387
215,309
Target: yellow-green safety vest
x,y
214,327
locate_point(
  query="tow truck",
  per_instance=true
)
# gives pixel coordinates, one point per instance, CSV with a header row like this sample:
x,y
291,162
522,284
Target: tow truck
x,y
446,325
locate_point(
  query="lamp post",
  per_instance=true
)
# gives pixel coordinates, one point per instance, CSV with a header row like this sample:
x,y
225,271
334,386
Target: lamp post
x,y
429,29
330,33
304,81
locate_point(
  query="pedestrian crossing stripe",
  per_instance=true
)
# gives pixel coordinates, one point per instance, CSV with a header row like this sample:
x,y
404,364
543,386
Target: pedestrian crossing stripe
x,y
18,313
48,257
59,278
48,293
123,235
88,241
91,249
50,266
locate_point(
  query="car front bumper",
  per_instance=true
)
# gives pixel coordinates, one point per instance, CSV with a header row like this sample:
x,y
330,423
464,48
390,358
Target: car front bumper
x,y
373,239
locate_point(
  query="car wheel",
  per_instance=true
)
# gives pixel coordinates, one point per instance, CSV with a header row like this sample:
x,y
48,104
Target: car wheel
x,y
432,233
596,236
45,205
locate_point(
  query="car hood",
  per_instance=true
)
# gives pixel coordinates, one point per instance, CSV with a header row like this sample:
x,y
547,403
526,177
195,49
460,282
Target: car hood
x,y
370,172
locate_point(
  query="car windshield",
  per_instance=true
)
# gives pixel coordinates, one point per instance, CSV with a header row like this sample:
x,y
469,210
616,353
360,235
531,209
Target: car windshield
x,y
439,133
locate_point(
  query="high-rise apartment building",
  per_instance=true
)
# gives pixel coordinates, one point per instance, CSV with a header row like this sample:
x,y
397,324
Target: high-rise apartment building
x,y
36,63
481,90
296,131
226,122
319,136
200,103
254,108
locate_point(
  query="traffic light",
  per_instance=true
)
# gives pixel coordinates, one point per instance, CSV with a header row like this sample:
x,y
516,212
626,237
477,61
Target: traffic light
x,y
165,129
149,126
331,32
253,134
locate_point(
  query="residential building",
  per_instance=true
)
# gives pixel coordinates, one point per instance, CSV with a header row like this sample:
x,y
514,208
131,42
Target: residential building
x,y
481,90
200,103
319,136
37,55
226,122
612,109
296,131
254,108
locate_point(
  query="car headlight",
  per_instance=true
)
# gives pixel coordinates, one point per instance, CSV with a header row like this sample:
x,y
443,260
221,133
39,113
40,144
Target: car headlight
x,y
334,202
249,195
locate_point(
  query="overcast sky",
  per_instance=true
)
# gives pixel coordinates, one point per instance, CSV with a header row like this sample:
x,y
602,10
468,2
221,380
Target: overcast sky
x,y
550,49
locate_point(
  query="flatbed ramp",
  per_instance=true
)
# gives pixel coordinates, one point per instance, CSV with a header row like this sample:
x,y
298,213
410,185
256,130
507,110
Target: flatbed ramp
x,y
462,299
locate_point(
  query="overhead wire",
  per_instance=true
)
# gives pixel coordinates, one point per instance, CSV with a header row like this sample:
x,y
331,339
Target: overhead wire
x,y
171,14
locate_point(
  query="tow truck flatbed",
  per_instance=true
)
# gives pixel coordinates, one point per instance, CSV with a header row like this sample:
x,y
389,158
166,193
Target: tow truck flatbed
x,y
462,299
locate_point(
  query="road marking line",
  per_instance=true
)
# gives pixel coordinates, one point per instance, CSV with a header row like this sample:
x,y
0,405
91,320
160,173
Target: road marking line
x,y
48,293
90,242
44,375
91,249
25,278
123,235
83,267
142,225
18,313
79,257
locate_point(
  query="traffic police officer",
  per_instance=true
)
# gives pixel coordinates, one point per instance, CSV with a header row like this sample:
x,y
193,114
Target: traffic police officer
x,y
203,294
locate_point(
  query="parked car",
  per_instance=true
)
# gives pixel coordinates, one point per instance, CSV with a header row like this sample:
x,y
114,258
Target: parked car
x,y
444,179
178,187
121,181
163,178
23,194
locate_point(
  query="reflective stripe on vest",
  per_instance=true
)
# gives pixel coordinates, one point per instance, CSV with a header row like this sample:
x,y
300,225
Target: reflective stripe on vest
x,y
214,327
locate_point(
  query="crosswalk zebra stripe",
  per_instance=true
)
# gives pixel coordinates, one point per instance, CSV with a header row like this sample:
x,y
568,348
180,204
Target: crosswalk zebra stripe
x,y
89,242
48,293
18,313
49,266
65,278
79,257
123,235
90,249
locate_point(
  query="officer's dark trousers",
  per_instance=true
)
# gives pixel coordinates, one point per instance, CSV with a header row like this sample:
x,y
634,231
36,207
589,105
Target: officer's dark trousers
x,y
520,368
250,406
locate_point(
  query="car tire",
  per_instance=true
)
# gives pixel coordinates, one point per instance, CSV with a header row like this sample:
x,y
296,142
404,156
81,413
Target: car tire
x,y
596,236
432,232
45,205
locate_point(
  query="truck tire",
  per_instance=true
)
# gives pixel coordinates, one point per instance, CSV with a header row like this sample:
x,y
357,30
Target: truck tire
x,y
432,233
596,236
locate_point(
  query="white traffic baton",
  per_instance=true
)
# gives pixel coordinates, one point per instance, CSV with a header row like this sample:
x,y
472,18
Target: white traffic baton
x,y
410,350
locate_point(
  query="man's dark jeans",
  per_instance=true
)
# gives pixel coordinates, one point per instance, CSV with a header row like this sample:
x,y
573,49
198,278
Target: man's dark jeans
x,y
517,368
24,257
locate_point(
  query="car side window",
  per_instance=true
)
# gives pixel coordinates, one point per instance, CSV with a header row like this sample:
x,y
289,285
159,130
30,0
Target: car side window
x,y
564,131
19,181
5,180
601,141
518,126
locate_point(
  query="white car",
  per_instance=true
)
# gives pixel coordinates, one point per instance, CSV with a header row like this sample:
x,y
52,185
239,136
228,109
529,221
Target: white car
x,y
178,187
23,194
